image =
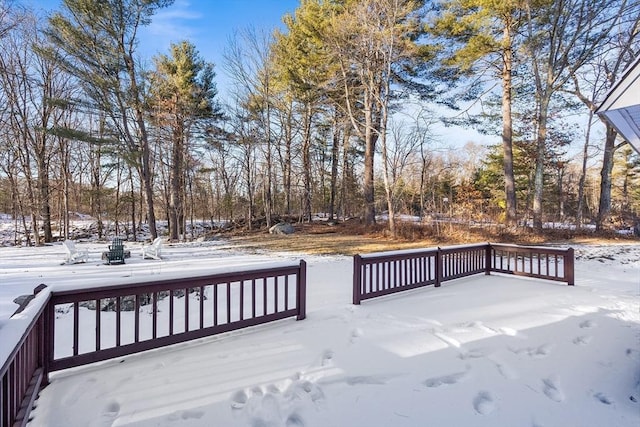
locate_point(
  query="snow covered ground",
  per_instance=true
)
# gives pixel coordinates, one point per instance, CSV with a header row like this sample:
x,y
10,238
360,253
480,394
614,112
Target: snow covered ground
x,y
480,351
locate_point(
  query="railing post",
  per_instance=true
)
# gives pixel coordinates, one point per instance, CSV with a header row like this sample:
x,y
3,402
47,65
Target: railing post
x,y
302,291
488,260
357,278
47,341
568,267
439,267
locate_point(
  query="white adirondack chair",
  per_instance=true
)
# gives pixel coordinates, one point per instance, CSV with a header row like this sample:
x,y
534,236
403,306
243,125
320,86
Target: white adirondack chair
x,y
74,255
154,250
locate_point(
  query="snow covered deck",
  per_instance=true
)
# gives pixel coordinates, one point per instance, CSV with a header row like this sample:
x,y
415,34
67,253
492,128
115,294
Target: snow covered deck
x,y
483,350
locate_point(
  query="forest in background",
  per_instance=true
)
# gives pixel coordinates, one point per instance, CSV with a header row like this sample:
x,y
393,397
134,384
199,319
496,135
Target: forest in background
x,y
337,114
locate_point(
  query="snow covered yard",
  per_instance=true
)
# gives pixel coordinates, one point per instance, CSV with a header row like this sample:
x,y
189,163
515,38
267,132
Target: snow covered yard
x,y
481,351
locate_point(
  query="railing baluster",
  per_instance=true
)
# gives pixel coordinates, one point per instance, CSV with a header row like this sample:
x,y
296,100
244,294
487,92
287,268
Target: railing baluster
x,y
186,310
76,328
253,297
136,317
201,307
242,300
118,321
386,272
215,304
98,324
275,298
286,292
264,296
171,313
154,316
229,302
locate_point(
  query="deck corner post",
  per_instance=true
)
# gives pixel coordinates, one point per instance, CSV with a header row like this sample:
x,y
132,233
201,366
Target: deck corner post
x,y
357,279
302,291
487,261
439,267
569,267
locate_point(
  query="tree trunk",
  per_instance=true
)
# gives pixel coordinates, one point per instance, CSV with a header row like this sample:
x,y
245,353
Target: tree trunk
x,y
507,131
335,154
143,145
346,174
175,190
286,167
306,163
268,202
541,140
45,207
583,172
133,206
604,207
369,154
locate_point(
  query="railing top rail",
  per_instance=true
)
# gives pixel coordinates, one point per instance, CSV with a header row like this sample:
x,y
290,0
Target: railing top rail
x,y
121,289
540,249
398,254
402,254
462,248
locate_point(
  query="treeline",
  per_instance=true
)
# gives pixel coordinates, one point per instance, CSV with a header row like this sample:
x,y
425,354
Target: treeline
x,y
334,114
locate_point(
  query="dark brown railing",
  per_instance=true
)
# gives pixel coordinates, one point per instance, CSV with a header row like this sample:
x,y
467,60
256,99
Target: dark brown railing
x,y
124,319
379,274
542,263
22,373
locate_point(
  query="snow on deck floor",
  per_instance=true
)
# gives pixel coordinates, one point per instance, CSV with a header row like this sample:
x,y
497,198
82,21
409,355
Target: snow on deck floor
x,y
480,351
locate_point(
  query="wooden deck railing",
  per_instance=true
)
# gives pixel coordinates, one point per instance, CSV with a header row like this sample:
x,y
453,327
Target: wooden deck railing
x,y
542,263
124,319
22,374
379,274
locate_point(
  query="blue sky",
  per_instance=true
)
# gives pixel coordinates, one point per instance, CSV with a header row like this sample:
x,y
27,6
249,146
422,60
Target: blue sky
x,y
208,24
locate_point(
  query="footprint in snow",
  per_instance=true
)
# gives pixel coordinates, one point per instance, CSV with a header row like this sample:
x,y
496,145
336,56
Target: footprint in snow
x,y
305,389
109,414
474,353
582,340
634,354
327,358
551,389
504,369
239,399
603,398
535,352
484,403
355,334
294,420
112,408
445,380
191,414
588,324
